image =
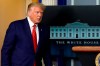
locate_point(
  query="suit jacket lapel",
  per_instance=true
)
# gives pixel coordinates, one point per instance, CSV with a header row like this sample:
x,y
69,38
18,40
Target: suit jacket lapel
x,y
28,32
40,37
27,28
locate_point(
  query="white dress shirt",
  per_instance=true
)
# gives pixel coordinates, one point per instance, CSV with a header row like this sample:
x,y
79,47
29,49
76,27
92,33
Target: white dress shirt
x,y
31,28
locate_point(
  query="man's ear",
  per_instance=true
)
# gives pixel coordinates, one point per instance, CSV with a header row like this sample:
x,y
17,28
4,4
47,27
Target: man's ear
x,y
28,13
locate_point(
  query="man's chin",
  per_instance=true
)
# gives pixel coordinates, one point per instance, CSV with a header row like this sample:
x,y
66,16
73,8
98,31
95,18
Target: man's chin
x,y
38,22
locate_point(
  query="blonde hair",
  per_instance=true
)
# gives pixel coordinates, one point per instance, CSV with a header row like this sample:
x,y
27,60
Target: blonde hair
x,y
36,4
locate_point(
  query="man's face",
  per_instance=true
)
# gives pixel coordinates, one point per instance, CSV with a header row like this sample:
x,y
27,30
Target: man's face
x,y
35,14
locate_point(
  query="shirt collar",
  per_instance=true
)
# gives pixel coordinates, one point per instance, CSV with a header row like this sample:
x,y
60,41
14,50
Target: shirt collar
x,y
30,22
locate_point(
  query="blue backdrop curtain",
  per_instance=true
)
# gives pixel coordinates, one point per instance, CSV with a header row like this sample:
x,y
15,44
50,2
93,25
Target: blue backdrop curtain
x,y
40,1
62,2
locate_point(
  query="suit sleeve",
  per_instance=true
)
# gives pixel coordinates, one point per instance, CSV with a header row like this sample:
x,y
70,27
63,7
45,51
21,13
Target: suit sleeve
x,y
9,41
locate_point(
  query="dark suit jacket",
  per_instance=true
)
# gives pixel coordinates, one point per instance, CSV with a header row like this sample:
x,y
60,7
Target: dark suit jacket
x,y
18,48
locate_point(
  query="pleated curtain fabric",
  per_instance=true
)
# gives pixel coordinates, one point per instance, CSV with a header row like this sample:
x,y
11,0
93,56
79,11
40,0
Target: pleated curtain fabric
x,y
35,1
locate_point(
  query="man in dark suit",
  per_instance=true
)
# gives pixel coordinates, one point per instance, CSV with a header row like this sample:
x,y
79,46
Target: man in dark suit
x,y
19,49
